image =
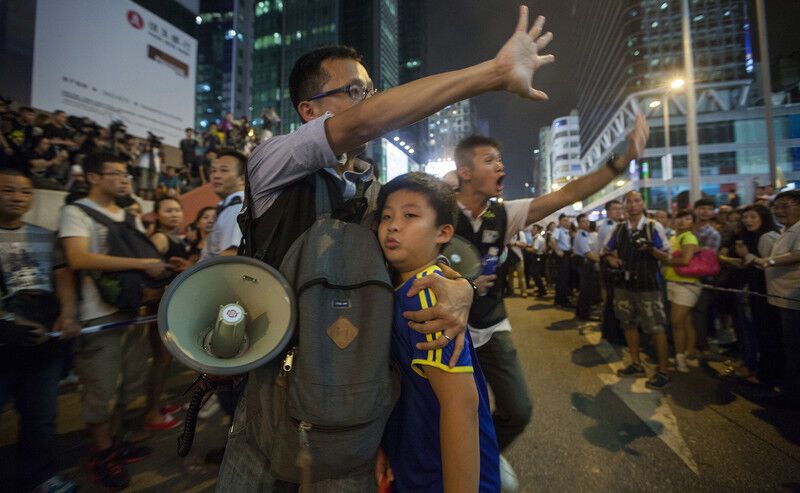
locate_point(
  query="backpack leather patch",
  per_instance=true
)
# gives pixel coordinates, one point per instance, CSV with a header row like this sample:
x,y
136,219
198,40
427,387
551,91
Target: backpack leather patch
x,y
342,332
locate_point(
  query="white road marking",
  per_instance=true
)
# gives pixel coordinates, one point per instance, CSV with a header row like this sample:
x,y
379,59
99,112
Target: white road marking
x,y
650,406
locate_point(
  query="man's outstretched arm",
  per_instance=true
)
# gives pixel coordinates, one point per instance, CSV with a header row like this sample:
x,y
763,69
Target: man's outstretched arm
x,y
586,185
511,70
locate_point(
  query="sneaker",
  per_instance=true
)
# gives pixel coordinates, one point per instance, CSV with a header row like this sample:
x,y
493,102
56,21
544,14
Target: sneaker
x,y
57,484
659,381
107,473
508,478
680,363
632,370
167,422
128,453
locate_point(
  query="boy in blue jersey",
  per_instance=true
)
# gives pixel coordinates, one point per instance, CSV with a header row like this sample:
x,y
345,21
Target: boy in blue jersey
x,y
440,436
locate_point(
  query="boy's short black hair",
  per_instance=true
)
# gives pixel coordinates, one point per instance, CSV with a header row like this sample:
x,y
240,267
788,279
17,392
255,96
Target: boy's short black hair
x,y
684,213
439,194
703,202
465,147
579,217
612,202
561,216
308,76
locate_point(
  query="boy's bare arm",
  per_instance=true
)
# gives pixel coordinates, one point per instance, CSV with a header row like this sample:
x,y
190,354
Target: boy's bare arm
x,y
458,429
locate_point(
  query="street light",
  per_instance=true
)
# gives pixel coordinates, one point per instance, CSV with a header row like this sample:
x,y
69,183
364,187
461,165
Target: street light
x,y
693,156
655,104
675,85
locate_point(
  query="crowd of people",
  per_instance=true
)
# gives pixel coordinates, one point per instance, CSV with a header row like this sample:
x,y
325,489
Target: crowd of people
x,y
51,147
449,337
704,282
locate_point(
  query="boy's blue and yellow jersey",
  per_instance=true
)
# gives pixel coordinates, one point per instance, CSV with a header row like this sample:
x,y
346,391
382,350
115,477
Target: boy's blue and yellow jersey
x,y
411,439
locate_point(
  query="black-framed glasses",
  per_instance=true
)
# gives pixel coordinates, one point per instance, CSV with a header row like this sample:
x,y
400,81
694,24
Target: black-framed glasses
x,y
357,92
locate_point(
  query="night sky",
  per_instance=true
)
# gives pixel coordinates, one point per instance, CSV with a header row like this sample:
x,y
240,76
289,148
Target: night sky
x,y
465,32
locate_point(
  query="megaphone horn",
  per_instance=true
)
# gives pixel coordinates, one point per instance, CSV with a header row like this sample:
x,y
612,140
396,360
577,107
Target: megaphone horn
x,y
223,317
464,258
227,315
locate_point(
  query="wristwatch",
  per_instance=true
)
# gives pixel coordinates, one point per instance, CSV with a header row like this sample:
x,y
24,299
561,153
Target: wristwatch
x,y
771,262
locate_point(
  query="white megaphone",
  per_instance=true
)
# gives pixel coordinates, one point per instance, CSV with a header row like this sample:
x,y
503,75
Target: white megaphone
x,y
463,257
224,317
227,315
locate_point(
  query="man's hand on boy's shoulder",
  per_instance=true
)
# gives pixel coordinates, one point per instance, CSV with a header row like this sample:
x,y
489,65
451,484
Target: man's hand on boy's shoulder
x,y
449,315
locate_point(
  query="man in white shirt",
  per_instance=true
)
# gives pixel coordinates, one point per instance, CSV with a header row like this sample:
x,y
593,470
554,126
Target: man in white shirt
x,y
782,270
111,364
227,179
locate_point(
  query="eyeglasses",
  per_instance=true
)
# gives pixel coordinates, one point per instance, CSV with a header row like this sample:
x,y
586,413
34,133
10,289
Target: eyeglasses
x,y
357,92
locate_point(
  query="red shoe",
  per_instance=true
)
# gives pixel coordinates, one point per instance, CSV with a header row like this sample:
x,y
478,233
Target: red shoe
x,y
171,408
167,423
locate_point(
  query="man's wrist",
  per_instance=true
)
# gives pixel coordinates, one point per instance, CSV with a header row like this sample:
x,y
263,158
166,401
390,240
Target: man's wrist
x,y
473,286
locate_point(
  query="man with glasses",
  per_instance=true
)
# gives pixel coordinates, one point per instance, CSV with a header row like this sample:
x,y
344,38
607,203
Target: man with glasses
x,y
782,269
111,364
330,90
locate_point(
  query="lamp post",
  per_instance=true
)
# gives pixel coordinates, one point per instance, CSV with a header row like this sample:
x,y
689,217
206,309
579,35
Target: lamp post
x,y
693,156
675,85
766,88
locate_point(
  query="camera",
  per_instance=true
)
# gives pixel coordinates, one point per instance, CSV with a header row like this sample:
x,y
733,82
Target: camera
x,y
118,130
154,140
641,242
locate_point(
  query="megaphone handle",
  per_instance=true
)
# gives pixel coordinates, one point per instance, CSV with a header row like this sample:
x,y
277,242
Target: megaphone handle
x,y
187,437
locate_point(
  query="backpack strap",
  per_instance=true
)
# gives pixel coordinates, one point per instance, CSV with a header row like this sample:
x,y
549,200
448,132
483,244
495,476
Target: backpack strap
x,y
322,198
99,216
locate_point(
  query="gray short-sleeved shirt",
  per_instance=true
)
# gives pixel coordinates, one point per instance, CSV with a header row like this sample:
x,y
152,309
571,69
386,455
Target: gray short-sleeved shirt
x,y
284,159
76,223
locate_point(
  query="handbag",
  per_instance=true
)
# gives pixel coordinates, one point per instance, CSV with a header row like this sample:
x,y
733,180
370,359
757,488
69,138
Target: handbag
x,y
704,263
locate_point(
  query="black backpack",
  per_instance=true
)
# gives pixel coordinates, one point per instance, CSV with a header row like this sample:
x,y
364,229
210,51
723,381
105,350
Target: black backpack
x,y
124,289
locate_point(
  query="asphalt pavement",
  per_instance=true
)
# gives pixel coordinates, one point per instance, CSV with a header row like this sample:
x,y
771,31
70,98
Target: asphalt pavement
x,y
591,431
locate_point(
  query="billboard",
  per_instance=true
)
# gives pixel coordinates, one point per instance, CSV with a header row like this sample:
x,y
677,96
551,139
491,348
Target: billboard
x,y
112,60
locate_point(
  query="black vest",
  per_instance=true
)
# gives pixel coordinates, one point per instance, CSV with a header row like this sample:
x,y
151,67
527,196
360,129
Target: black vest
x,y
489,309
269,236
642,272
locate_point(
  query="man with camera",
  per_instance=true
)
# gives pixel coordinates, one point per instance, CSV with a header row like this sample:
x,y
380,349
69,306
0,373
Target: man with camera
x,y
634,250
38,296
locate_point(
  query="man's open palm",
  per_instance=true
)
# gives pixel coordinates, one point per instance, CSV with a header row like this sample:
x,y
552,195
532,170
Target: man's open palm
x,y
519,58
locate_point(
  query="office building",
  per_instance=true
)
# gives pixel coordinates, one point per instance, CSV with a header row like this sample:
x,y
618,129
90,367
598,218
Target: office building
x,y
631,51
224,60
448,126
285,29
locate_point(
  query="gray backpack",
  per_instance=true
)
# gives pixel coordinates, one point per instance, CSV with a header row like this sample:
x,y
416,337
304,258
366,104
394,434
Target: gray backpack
x,y
334,390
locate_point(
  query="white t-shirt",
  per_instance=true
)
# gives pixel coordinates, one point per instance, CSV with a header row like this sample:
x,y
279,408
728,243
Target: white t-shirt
x,y
517,214
225,233
76,223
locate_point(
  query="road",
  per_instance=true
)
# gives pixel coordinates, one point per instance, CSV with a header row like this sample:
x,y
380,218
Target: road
x,y
591,431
